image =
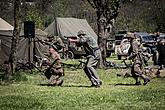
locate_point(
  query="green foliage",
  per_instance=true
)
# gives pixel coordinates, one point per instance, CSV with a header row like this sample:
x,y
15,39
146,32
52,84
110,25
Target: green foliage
x,y
116,93
19,76
134,25
33,15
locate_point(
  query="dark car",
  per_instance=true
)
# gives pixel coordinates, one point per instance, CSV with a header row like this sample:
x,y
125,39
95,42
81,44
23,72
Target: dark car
x,y
161,36
119,36
110,47
159,58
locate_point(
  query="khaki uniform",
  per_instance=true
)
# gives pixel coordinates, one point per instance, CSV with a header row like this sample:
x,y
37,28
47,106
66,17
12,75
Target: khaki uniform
x,y
93,56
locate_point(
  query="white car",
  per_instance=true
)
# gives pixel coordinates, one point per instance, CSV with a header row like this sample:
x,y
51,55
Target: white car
x,y
123,48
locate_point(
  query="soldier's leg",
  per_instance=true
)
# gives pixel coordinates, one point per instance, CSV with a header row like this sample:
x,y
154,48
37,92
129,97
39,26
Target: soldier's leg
x,y
53,80
140,74
59,81
91,71
56,78
134,74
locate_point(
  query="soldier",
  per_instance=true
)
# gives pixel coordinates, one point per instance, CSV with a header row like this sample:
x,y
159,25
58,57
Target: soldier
x,y
135,51
55,71
93,56
57,41
161,49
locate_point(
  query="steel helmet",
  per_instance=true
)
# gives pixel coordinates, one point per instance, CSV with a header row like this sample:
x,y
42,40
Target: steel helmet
x,y
81,32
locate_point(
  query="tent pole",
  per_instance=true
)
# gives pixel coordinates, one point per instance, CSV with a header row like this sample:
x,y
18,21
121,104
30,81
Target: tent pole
x,y
29,53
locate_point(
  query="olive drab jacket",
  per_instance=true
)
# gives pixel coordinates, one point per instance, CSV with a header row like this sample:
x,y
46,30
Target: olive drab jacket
x,y
90,46
136,52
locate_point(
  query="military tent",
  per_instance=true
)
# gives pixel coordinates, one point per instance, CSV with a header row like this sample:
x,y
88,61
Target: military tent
x,y
6,31
66,27
36,47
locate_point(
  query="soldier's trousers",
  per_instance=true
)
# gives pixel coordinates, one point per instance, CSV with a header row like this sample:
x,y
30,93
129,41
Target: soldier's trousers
x,y
137,72
56,78
91,71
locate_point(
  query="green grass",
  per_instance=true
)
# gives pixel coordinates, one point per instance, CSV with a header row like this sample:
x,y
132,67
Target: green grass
x,y
116,93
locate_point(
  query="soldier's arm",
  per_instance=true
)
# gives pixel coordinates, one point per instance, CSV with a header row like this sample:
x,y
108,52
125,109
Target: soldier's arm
x,y
135,48
134,51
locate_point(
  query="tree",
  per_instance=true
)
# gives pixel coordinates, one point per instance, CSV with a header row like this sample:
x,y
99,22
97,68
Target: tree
x,y
12,57
158,14
107,11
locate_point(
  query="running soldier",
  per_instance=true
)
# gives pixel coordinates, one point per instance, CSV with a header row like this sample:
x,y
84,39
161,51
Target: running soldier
x,y
93,57
135,51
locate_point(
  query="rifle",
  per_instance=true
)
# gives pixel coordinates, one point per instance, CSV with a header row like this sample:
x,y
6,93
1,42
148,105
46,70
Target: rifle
x,y
142,61
48,70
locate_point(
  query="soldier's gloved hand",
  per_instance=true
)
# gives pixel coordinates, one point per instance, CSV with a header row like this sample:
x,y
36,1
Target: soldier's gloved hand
x,y
128,58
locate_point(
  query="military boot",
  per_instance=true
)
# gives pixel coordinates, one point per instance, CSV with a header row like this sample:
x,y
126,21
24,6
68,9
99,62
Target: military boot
x,y
146,79
52,81
59,82
137,81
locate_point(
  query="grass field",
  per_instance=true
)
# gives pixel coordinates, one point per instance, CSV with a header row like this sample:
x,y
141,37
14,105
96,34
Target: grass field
x,y
29,92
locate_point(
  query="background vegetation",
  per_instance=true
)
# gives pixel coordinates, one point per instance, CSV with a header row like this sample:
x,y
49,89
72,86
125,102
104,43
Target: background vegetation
x,y
139,15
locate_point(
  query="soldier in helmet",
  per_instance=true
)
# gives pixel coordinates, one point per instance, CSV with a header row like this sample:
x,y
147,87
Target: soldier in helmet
x,y
135,51
55,71
93,56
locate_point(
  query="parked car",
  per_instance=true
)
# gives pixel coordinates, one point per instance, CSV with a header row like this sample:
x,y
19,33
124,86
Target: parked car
x,y
123,48
160,49
162,36
118,38
148,41
110,47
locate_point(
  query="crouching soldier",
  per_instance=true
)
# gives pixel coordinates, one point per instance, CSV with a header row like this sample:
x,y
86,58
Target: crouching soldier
x,y
55,71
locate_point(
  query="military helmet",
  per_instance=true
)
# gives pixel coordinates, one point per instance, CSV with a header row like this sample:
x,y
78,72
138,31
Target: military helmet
x,y
81,32
130,35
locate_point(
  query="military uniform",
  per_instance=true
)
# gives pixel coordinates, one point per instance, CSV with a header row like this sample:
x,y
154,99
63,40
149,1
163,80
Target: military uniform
x,y
93,56
161,49
55,72
137,70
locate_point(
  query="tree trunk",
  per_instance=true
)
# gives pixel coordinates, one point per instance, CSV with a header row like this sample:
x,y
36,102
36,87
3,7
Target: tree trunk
x,y
104,31
102,36
12,57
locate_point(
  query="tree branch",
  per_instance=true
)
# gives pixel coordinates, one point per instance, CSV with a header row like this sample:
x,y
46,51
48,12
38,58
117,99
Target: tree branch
x,y
92,3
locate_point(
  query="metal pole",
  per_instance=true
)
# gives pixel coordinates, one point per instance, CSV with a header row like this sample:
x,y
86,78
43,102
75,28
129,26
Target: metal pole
x,y
29,53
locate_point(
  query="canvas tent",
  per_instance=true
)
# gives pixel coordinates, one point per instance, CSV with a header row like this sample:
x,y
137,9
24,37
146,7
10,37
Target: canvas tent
x,y
66,27
36,47
6,31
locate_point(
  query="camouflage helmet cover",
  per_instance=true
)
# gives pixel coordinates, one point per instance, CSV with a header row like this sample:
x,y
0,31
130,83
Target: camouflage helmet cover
x,y
130,35
81,32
